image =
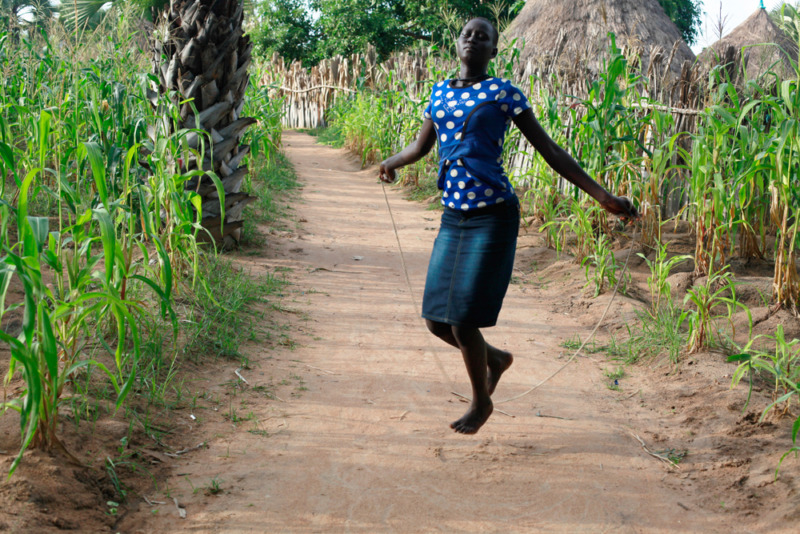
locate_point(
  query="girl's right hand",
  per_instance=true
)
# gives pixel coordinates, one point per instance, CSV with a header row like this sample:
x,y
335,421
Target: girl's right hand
x,y
622,207
386,173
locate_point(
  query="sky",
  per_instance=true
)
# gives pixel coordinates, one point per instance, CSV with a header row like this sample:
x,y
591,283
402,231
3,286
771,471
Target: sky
x,y
736,12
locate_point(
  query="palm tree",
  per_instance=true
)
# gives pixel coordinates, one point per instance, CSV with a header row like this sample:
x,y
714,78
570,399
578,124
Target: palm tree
x,y
201,58
16,15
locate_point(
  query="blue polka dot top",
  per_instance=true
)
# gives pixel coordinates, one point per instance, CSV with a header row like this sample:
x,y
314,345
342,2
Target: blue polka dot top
x,y
471,124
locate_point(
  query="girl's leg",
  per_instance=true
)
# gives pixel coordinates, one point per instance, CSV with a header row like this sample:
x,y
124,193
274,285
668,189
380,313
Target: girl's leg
x,y
473,350
497,360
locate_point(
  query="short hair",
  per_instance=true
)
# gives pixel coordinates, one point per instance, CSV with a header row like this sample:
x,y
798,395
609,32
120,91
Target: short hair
x,y
495,33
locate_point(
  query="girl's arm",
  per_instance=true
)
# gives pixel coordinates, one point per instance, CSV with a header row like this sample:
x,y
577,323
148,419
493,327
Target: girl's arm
x,y
412,153
566,166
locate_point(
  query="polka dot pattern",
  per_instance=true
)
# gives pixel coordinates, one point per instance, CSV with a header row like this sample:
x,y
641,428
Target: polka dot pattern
x,y
470,182
462,187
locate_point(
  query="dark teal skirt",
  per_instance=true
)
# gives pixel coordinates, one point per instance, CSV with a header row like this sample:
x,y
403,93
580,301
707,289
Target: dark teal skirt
x,y
471,265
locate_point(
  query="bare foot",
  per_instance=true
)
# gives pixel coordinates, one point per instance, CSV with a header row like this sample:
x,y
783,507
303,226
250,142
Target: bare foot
x,y
474,419
498,361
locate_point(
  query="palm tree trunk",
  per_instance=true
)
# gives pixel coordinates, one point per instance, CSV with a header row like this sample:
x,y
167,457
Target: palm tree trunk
x,y
203,60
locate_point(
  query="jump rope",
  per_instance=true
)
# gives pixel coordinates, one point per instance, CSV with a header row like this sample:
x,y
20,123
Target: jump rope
x,y
553,374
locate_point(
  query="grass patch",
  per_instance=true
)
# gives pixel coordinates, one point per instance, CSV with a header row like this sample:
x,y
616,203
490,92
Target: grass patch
x,y
659,333
223,315
271,181
426,188
612,348
332,135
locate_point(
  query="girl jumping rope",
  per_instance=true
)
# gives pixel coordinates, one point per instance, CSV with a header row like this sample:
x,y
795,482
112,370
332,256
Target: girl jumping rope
x,y
473,255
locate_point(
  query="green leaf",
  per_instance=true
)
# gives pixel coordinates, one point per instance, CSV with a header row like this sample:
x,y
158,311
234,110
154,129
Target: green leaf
x,y
109,239
24,229
6,272
45,121
739,357
40,226
93,152
7,160
221,193
48,342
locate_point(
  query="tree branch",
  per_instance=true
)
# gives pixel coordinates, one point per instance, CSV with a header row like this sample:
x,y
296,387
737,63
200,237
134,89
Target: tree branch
x,y
415,35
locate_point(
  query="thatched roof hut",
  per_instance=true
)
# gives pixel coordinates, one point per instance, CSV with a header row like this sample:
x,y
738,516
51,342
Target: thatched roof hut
x,y
758,29
574,33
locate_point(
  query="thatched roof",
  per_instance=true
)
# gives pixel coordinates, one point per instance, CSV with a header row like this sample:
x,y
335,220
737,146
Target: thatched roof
x,y
576,31
758,29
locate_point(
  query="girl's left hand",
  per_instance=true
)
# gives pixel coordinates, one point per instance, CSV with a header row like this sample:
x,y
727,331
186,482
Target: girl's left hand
x,y
622,207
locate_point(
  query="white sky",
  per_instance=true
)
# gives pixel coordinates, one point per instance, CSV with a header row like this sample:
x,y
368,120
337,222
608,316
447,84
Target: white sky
x,y
736,12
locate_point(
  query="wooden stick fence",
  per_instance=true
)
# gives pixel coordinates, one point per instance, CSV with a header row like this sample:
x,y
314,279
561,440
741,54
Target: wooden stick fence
x,y
309,93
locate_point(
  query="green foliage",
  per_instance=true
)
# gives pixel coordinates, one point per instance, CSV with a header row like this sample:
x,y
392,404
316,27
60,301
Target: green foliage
x,y
24,15
222,315
376,125
64,146
718,290
660,269
264,137
82,15
286,27
686,14
344,27
783,366
659,327
96,226
270,180
603,266
656,334
786,16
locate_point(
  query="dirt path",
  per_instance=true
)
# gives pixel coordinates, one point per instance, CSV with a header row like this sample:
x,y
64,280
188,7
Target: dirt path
x,y
361,442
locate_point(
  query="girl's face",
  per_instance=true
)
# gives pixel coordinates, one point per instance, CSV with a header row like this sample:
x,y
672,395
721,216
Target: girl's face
x,y
475,45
